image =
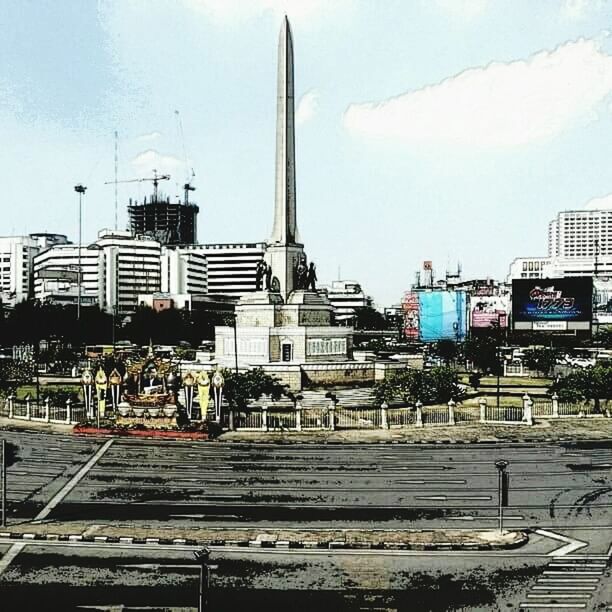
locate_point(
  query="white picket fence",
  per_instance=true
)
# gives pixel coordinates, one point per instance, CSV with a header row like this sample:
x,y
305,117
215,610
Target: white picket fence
x,y
44,411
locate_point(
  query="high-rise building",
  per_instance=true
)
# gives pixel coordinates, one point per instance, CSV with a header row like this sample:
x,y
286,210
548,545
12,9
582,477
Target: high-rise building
x,y
183,270
16,262
346,297
580,233
231,267
164,221
116,268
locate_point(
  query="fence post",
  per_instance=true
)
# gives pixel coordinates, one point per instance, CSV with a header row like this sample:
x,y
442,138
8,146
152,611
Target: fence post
x,y
231,420
298,416
68,411
451,412
264,418
384,416
332,415
505,368
419,414
11,399
482,402
28,400
527,414
47,411
555,406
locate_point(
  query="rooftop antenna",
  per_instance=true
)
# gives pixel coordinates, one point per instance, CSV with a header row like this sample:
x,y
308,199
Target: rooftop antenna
x,y
116,173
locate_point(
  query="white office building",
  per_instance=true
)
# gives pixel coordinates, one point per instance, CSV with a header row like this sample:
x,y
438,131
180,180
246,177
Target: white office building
x,y
231,267
183,270
346,296
16,263
116,269
579,244
580,233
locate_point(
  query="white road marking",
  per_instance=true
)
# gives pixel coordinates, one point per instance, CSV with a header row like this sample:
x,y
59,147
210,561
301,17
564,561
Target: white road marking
x,y
10,555
60,495
577,565
470,517
560,596
571,543
555,606
452,497
569,573
569,580
564,588
16,548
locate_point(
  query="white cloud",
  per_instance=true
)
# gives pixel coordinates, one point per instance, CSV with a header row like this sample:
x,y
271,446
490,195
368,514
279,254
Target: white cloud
x,y
297,10
603,203
499,105
307,106
144,163
149,136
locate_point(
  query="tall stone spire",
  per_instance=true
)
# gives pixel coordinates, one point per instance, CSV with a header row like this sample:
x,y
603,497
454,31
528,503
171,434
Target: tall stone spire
x,y
285,225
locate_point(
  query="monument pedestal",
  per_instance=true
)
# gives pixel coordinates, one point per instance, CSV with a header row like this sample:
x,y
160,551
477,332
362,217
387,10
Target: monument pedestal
x,y
272,333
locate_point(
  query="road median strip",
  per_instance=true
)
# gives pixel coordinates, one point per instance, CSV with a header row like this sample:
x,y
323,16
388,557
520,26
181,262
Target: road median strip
x,y
346,539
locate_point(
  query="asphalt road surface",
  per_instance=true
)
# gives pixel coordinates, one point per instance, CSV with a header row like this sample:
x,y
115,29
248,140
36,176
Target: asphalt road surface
x,y
561,490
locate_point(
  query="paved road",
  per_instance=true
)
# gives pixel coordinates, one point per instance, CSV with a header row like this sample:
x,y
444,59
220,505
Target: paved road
x,y
563,490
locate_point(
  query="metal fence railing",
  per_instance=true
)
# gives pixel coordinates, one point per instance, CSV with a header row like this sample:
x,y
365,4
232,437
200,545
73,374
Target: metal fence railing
x,y
358,418
401,417
507,414
467,414
542,407
315,418
434,415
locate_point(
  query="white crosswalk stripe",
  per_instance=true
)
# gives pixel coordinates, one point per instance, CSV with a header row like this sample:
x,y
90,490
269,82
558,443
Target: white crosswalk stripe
x,y
567,583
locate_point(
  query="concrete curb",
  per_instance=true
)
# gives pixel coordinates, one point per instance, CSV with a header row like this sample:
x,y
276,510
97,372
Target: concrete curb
x,y
258,544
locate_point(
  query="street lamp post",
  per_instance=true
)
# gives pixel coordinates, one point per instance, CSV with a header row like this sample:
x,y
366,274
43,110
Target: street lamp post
x,y
501,466
80,189
202,556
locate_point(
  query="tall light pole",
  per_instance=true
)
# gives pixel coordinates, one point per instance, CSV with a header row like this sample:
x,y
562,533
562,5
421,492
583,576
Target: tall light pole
x,y
80,189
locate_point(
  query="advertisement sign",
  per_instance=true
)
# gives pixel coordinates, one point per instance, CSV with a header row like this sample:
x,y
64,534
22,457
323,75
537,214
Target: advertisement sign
x,y
602,300
552,299
489,310
442,315
550,325
410,306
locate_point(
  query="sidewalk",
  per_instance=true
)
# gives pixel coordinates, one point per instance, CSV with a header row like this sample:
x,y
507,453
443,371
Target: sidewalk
x,y
557,430
549,431
252,537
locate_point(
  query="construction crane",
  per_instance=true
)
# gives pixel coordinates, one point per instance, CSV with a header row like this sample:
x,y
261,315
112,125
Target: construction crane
x,y
156,178
188,187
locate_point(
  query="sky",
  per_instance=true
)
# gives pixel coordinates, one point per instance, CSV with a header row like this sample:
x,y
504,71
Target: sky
x,y
443,130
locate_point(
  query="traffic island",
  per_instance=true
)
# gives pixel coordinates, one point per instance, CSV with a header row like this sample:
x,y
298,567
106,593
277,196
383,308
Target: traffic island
x,y
144,432
284,539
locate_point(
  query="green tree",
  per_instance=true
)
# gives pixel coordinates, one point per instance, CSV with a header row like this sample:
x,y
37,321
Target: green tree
x,y
447,350
13,374
541,359
434,386
584,385
243,388
482,351
367,317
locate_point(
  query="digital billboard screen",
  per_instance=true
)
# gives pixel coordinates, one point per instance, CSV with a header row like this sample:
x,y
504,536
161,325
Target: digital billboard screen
x,y
552,299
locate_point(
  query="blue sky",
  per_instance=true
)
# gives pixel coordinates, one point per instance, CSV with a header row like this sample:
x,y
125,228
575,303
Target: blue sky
x,y
427,129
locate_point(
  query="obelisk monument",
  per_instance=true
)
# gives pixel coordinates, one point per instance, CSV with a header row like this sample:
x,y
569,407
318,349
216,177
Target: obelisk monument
x,y
284,248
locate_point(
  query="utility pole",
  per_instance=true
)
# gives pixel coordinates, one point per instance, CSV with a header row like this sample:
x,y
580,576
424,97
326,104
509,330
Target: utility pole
x,y
3,482
502,490
80,189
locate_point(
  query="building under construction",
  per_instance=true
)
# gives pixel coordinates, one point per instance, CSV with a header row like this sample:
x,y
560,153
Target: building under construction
x,y
168,222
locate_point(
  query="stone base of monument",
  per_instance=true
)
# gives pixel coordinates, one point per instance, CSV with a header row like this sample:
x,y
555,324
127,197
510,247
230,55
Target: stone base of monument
x,y
148,422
